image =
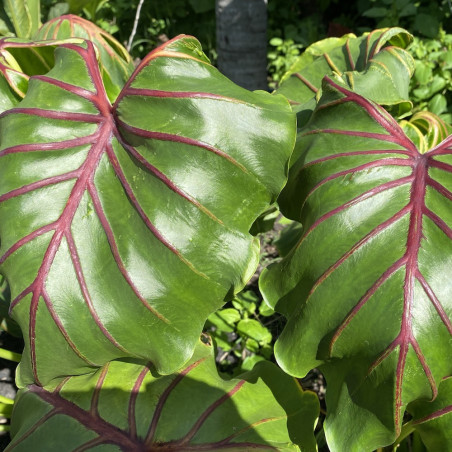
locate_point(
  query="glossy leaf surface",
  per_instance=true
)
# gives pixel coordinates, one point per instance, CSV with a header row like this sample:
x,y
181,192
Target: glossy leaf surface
x,y
116,63
366,290
433,420
123,227
128,406
374,65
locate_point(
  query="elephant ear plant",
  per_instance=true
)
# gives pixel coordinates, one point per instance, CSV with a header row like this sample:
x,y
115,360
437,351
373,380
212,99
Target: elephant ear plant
x,y
134,228
126,201
366,289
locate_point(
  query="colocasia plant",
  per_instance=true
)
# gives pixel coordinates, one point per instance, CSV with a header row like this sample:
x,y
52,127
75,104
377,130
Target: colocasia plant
x,y
127,197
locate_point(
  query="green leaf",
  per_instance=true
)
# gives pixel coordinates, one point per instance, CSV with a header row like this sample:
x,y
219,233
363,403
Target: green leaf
x,y
376,12
427,24
423,73
446,59
250,361
254,330
408,10
225,319
275,42
265,310
288,238
132,220
202,6
24,15
128,406
4,30
252,345
246,302
426,130
266,221
387,69
116,63
57,10
437,104
432,420
76,6
221,340
366,290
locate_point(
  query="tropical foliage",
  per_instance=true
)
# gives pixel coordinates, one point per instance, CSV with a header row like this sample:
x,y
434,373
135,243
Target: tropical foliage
x,y
130,206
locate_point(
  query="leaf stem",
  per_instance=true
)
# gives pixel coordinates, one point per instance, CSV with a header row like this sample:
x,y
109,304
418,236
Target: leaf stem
x,y
10,356
407,430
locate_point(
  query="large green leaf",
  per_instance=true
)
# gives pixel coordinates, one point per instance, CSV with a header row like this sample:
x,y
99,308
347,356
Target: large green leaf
x,y
24,15
128,406
367,289
116,63
123,227
373,65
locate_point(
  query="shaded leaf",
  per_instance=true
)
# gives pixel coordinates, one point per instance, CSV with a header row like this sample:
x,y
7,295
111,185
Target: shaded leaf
x,y
132,219
433,420
254,330
225,319
128,406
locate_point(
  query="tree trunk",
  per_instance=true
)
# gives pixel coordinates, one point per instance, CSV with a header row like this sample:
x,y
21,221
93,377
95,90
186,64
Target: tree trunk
x,y
242,41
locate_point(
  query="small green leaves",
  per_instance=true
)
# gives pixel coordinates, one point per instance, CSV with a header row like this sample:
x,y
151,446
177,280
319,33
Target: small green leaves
x,y
254,330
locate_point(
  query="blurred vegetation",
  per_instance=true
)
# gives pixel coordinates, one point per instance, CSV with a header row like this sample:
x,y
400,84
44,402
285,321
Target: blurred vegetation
x,y
292,24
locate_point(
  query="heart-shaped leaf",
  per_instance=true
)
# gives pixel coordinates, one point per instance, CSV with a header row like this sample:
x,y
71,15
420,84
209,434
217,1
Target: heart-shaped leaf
x,y
373,65
123,227
116,63
366,289
128,406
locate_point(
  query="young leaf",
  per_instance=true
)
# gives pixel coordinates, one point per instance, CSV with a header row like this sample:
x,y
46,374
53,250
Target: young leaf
x,y
116,63
366,289
123,227
372,65
128,406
